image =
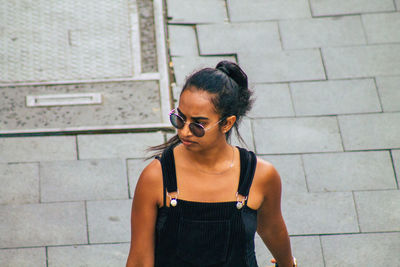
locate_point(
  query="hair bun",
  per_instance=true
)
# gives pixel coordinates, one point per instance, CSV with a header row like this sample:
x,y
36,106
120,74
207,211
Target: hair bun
x,y
233,71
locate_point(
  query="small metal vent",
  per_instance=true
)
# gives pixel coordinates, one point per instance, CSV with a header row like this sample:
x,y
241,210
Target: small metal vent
x,y
63,100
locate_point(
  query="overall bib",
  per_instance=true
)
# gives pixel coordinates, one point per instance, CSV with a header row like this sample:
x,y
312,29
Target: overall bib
x,y
197,234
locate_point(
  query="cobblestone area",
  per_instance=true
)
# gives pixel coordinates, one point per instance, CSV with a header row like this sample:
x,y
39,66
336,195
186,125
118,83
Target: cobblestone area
x,y
326,75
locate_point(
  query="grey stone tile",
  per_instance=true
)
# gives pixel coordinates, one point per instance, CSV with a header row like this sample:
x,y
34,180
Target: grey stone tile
x,y
321,32
349,171
297,135
271,100
42,224
206,11
335,97
20,183
389,91
382,28
370,131
341,7
362,61
89,256
182,40
176,91
184,66
294,65
397,4
320,213
135,168
396,162
117,145
109,221
83,180
290,168
32,149
362,250
259,10
378,211
23,257
307,250
238,37
246,131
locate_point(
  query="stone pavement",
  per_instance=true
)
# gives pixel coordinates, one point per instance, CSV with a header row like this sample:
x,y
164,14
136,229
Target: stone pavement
x,y
326,75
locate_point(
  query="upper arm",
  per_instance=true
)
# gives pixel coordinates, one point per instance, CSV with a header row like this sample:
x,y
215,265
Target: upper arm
x,y
269,213
144,214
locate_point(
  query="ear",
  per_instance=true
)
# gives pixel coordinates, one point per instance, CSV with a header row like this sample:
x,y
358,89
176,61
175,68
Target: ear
x,y
229,122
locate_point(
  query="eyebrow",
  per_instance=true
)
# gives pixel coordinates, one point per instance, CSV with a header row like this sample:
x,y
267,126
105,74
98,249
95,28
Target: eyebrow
x,y
193,118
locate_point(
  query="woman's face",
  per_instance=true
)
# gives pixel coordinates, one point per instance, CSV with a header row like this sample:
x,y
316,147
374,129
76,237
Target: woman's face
x,y
195,106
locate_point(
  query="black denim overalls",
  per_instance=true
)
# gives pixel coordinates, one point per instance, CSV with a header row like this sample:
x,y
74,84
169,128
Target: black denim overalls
x,y
206,234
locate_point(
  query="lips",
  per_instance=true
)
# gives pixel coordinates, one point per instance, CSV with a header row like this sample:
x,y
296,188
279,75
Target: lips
x,y
186,141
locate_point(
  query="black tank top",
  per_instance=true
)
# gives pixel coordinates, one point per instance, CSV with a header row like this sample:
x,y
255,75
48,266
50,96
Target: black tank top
x,y
197,234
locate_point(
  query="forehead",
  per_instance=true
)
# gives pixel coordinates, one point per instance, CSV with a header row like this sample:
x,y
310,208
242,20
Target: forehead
x,y
194,102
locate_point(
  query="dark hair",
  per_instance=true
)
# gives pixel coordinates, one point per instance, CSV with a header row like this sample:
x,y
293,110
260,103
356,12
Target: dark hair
x,y
228,83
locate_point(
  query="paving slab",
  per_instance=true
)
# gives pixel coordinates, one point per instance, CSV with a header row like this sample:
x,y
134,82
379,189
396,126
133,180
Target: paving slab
x,y
176,35
117,145
33,149
335,97
232,38
271,100
135,168
321,32
122,103
23,257
307,250
109,221
73,40
382,28
397,2
342,7
285,66
206,11
184,66
260,10
290,169
378,204
370,131
297,135
83,180
396,163
349,171
42,224
20,183
88,256
362,250
389,91
320,213
246,132
362,61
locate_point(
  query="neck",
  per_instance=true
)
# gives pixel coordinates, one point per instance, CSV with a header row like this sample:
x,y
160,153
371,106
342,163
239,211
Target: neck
x,y
213,160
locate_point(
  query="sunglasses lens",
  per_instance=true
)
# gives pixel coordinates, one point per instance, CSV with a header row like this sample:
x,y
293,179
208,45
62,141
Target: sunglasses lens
x,y
196,129
176,121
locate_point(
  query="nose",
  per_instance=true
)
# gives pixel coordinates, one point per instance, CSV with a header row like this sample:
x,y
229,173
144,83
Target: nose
x,y
186,130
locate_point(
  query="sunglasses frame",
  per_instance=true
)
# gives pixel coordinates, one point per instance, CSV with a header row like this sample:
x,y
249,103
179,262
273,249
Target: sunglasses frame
x,y
192,124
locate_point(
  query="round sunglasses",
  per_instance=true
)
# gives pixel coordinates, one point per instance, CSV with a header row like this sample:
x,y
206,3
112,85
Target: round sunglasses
x,y
196,128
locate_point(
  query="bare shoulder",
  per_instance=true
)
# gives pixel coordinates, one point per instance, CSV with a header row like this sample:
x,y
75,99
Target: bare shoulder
x,y
266,176
150,183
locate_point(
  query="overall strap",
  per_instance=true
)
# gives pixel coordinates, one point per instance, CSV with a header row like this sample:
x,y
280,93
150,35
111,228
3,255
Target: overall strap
x,y
248,162
168,169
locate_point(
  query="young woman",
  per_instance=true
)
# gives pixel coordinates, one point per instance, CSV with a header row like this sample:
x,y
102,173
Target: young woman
x,y
200,202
